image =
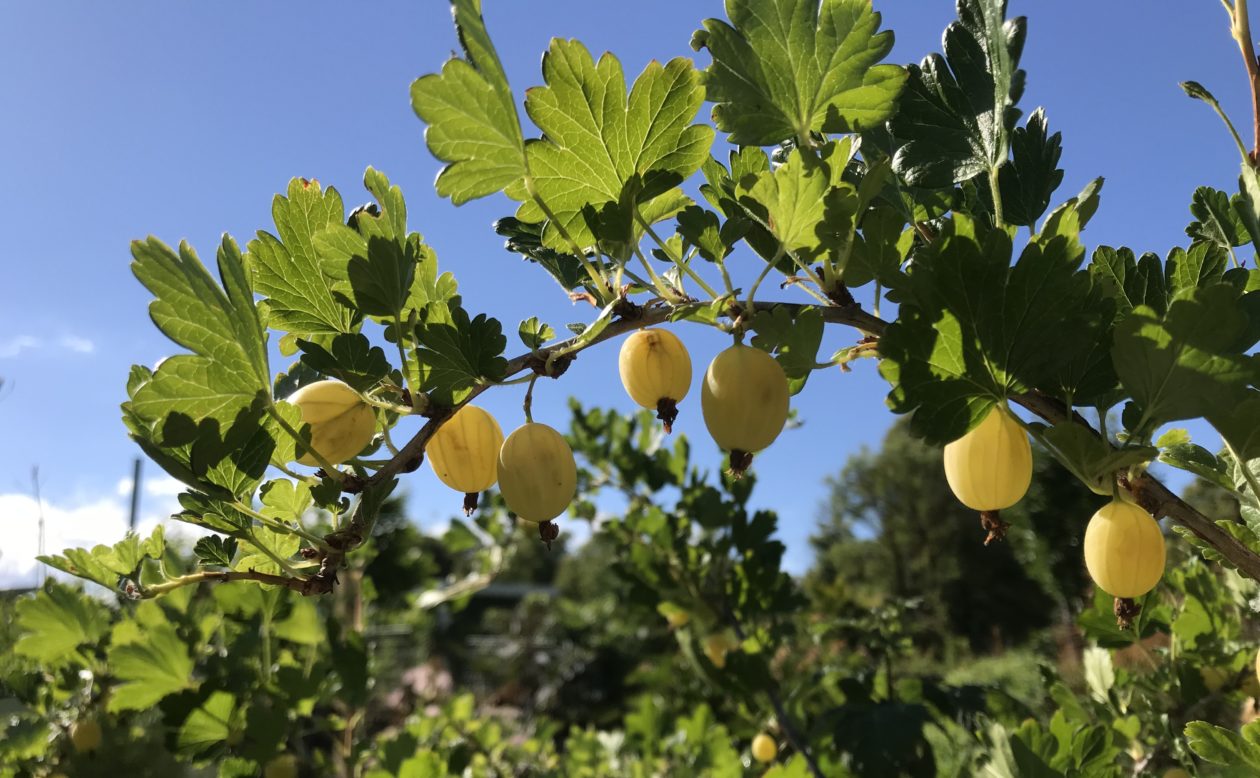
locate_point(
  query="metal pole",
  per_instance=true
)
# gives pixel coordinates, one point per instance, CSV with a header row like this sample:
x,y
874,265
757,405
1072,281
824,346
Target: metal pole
x,y
39,502
135,496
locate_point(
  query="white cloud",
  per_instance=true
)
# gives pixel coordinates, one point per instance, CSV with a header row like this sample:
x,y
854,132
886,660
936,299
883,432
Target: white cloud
x,y
17,344
82,525
77,344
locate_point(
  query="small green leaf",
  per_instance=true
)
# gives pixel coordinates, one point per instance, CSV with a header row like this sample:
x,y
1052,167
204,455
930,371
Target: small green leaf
x,y
457,355
1217,219
215,550
228,372
525,238
285,499
794,342
106,565
1030,178
253,558
56,621
303,626
149,669
208,725
472,117
603,146
1129,281
350,358
534,333
789,68
702,228
958,111
1089,457
286,270
1224,747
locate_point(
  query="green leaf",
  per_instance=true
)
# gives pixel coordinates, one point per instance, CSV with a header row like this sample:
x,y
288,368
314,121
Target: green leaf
x,y
525,238
1224,747
286,270
978,329
880,249
601,146
803,203
208,725
958,111
472,117
1195,459
350,358
1179,366
377,258
280,544
215,550
457,355
701,228
788,68
105,565
285,499
229,371
1089,457
149,669
1099,674
1218,221
1129,281
1203,265
534,333
303,626
1029,179
56,621
794,342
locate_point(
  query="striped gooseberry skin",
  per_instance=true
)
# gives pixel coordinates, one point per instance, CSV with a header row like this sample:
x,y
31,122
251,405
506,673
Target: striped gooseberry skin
x,y
744,398
654,366
464,452
341,424
990,468
1124,549
537,473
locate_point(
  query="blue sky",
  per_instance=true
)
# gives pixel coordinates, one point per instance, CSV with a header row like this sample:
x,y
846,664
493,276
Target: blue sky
x,y
183,120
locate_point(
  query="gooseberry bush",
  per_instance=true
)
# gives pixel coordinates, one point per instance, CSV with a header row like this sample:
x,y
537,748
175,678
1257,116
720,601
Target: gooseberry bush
x,y
881,199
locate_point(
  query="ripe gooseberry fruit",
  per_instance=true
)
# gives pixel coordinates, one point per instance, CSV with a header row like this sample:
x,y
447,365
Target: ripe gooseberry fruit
x,y
464,453
537,475
744,398
764,749
990,468
1124,549
283,766
85,736
341,424
1214,678
656,372
717,646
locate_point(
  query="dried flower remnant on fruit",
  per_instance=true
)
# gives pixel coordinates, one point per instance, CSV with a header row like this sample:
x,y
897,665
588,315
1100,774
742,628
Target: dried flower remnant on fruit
x,y
548,531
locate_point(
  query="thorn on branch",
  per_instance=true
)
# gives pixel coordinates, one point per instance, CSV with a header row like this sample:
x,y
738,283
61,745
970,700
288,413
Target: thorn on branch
x,y
1126,611
625,309
991,522
840,295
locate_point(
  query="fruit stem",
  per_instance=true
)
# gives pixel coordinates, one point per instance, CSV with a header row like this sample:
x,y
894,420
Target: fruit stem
x,y
997,199
529,400
683,266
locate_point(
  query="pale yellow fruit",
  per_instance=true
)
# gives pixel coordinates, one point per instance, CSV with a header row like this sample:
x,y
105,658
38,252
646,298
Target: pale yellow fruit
x,y
764,749
655,368
341,424
537,473
464,452
1214,678
990,467
744,397
85,736
1124,549
717,646
283,766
